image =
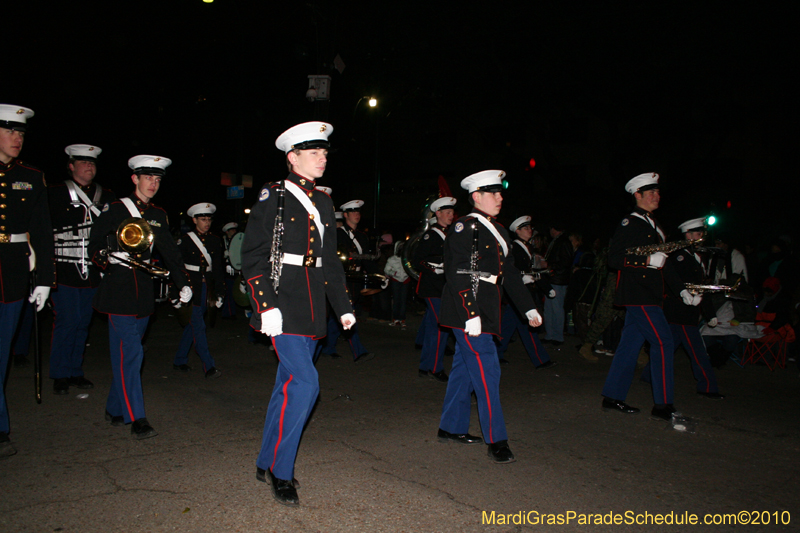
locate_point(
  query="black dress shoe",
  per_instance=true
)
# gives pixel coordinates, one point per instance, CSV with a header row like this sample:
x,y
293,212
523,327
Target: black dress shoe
x,y
61,386
115,420
500,452
663,412
619,406
440,376
81,382
141,429
213,373
6,448
466,438
548,364
366,356
335,355
261,475
504,361
283,490
423,373
711,395
181,368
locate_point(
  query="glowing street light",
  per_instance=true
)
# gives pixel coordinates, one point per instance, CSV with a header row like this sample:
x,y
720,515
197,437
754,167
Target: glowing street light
x,y
373,102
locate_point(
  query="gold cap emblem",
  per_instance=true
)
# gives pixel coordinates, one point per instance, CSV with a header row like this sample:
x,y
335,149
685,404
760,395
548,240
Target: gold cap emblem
x,y
20,111
323,128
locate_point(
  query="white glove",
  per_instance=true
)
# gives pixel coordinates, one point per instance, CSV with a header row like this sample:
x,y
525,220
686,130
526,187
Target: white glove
x,y
39,295
114,258
219,302
438,268
272,322
689,298
175,303
385,283
551,294
534,318
242,288
186,295
713,322
229,269
348,320
657,260
527,279
473,327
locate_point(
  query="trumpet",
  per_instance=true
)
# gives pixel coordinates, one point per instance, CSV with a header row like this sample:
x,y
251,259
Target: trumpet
x,y
134,235
664,247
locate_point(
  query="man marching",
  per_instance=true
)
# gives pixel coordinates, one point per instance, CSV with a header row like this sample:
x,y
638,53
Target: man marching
x,y
640,288
26,243
74,205
126,293
477,266
202,257
289,261
428,260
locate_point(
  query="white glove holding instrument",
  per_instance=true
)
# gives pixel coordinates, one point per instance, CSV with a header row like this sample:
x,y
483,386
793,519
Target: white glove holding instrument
x,y
713,322
348,320
272,322
689,298
186,295
229,269
473,327
534,318
656,260
527,279
219,302
39,295
118,258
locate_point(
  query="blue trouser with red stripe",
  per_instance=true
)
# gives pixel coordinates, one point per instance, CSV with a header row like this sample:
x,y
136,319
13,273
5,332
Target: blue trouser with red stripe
x,y
72,314
9,316
689,337
511,323
295,392
435,340
475,368
195,332
643,323
125,340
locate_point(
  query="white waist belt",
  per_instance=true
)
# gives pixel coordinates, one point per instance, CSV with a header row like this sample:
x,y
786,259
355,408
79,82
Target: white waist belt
x,y
13,237
490,279
301,260
193,268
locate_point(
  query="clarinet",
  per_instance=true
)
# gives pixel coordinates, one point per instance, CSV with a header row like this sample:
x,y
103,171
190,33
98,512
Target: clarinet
x,y
473,261
276,251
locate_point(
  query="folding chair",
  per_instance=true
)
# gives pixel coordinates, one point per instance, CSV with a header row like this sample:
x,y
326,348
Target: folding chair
x,y
771,349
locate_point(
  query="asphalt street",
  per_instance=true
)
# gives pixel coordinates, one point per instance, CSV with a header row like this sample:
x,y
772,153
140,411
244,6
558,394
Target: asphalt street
x,y
370,461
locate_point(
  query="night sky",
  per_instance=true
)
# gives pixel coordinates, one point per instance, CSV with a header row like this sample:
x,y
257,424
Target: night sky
x,y
699,92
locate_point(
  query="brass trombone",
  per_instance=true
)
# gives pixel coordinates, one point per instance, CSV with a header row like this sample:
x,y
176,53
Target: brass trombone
x,y
134,235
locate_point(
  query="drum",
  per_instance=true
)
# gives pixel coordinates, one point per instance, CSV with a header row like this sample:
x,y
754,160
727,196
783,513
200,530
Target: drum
x,y
235,250
367,284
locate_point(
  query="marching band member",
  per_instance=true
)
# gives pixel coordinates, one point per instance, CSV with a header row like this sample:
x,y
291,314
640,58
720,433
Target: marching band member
x,y
640,283
26,242
202,257
428,260
74,205
477,267
126,293
289,261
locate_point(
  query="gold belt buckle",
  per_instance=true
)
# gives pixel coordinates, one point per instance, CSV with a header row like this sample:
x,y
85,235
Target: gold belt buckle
x,y
309,261
4,237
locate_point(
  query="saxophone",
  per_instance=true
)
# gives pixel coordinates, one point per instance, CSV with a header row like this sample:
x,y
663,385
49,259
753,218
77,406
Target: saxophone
x,y
664,247
276,251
